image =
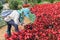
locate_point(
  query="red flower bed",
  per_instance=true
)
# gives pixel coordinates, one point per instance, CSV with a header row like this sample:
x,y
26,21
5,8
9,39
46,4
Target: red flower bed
x,y
45,27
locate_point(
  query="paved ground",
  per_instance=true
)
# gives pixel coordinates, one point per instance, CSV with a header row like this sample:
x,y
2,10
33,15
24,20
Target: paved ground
x,y
3,29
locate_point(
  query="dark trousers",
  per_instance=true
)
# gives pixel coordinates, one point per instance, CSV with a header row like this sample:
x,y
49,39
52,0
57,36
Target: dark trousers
x,y
10,23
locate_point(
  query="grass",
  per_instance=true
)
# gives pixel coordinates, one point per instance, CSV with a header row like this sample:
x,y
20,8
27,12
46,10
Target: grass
x,y
2,22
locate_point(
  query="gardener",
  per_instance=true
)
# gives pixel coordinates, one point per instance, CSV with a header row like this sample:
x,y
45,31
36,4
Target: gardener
x,y
11,18
24,12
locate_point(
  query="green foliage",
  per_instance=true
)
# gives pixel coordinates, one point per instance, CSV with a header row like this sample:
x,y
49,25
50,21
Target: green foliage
x,y
6,1
19,2
58,0
2,22
28,0
51,1
1,6
39,1
46,0
13,4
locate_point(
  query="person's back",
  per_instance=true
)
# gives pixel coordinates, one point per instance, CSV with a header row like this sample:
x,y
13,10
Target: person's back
x,y
5,14
26,11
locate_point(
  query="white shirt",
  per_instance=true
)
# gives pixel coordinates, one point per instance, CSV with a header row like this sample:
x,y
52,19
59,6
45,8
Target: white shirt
x,y
14,16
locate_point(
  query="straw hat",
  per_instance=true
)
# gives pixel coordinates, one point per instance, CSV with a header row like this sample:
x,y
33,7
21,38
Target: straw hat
x,y
6,6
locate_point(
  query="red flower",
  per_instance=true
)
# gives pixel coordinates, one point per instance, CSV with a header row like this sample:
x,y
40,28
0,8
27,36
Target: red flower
x,y
45,27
